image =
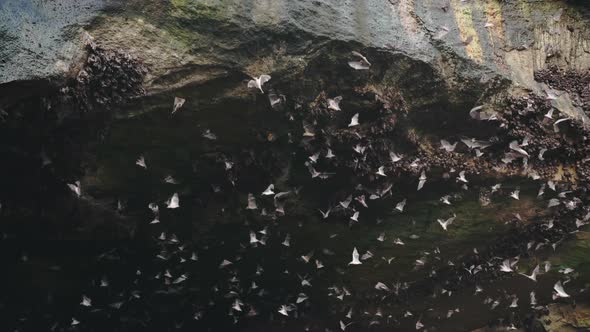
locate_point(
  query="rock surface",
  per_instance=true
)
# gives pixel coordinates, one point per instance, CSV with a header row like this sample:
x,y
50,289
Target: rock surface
x,y
40,40
566,318
463,44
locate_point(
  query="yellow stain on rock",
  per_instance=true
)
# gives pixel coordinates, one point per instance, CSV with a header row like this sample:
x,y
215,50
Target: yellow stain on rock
x,y
493,12
559,174
583,236
566,173
469,36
